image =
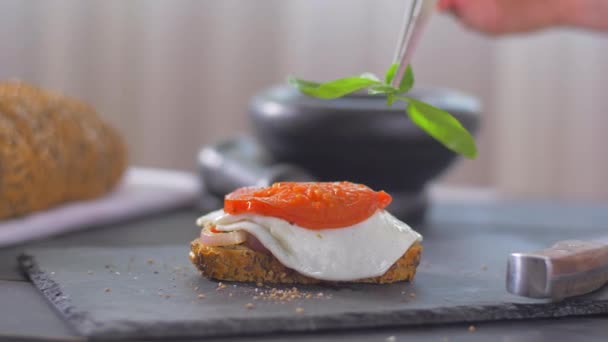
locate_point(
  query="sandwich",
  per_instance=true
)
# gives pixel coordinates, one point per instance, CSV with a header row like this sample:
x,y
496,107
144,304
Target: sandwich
x,y
306,233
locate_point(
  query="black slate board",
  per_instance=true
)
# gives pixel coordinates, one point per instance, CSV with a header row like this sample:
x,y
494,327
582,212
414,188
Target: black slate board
x,y
461,279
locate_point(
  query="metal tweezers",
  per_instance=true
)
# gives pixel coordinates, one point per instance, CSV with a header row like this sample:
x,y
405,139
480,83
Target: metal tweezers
x,y
416,17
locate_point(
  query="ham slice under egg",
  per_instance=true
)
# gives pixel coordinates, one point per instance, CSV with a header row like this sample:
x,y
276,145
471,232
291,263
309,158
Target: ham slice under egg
x,y
219,239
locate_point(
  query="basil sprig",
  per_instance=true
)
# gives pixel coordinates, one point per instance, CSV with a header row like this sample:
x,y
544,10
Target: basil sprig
x,y
436,122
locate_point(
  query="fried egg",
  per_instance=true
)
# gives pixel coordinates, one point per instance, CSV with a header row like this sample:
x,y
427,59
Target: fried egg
x,y
363,250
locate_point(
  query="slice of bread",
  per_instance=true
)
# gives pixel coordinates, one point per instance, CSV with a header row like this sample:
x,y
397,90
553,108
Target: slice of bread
x,y
241,263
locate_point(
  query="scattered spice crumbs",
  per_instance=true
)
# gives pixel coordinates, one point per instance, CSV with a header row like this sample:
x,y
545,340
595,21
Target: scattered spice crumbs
x,y
280,295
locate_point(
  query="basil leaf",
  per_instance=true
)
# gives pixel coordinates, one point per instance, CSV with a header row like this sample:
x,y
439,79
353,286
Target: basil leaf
x,y
407,81
390,98
301,84
332,89
370,76
390,73
381,89
443,127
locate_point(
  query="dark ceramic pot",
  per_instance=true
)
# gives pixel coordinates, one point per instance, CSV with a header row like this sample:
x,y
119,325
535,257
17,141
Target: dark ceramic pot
x,y
358,138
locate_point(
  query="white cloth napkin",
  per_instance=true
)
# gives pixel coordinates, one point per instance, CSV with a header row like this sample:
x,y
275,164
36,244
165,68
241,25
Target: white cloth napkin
x,y
142,191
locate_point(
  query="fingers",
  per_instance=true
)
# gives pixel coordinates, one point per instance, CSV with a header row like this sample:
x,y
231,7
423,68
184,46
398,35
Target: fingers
x,y
446,5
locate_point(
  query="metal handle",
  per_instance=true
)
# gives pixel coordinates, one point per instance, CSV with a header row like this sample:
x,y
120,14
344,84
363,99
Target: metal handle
x,y
567,269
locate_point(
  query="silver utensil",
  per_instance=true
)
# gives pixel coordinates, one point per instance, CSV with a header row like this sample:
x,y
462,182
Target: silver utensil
x,y
567,269
414,22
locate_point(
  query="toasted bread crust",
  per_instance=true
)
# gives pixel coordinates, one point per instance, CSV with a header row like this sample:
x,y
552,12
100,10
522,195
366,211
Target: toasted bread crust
x,y
240,263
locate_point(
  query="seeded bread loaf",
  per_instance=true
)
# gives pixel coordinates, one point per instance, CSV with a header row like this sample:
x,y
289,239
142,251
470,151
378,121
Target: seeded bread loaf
x,y
240,263
53,149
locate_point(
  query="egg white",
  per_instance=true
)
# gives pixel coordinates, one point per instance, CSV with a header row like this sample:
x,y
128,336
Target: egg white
x,y
366,249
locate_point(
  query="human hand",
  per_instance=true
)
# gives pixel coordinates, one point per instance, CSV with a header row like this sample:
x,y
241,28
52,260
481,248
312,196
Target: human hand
x,y
498,17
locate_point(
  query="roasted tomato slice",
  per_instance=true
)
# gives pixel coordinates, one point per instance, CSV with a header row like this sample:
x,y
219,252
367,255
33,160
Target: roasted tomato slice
x,y
313,205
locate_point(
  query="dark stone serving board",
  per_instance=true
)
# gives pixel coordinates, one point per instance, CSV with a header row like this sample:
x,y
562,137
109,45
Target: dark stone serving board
x,y
153,290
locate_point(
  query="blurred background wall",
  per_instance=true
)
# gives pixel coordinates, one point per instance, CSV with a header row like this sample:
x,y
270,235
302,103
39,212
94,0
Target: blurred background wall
x,y
176,74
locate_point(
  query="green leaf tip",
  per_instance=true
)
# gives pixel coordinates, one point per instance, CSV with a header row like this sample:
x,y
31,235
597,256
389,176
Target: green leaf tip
x,y
333,89
390,73
442,126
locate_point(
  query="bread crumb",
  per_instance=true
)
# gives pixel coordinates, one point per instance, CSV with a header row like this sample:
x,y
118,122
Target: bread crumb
x,y
196,288
150,261
249,306
472,328
230,294
299,310
309,296
391,339
220,286
259,284
279,295
107,289
320,294
117,273
200,296
413,295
